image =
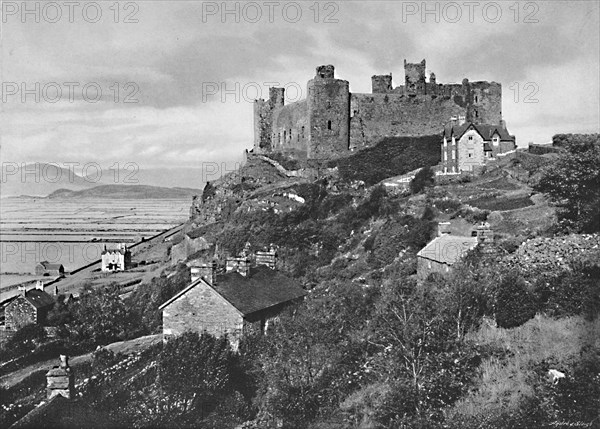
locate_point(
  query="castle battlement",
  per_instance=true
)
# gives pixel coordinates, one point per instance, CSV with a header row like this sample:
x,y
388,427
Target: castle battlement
x,y
332,121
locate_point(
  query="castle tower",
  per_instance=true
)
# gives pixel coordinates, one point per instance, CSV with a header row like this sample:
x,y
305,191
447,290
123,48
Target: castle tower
x,y
381,84
414,76
328,105
277,97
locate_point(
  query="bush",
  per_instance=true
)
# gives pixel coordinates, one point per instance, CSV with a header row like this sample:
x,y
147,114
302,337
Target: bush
x,y
514,304
423,179
26,339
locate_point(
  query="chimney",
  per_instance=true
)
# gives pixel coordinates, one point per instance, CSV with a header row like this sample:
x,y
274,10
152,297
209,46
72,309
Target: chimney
x,y
60,380
22,289
206,271
240,265
268,258
461,120
39,285
485,237
443,228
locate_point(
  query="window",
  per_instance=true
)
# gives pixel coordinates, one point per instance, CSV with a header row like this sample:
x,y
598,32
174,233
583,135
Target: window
x,y
453,155
476,113
476,99
328,125
470,138
302,132
284,136
470,155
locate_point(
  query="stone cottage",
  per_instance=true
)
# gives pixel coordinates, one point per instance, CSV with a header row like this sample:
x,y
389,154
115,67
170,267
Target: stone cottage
x,y
31,306
45,268
441,253
231,303
467,146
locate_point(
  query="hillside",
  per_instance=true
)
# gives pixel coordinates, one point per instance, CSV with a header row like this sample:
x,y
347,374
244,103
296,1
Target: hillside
x,y
375,344
127,191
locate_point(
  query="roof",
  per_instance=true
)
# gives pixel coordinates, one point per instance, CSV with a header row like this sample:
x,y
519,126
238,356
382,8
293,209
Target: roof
x,y
121,251
38,298
447,249
48,266
485,130
263,288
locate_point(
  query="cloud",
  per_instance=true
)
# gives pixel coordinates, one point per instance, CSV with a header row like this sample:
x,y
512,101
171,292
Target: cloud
x,y
172,51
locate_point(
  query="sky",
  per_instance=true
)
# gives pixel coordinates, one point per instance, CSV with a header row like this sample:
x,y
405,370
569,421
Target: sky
x,y
171,84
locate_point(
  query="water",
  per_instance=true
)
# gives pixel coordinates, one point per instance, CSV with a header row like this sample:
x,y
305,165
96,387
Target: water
x,y
73,232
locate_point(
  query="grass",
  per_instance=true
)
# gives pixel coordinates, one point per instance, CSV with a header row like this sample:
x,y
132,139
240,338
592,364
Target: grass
x,y
392,156
504,383
501,204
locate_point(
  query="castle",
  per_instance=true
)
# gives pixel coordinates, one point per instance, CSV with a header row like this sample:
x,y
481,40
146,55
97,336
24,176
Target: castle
x,y
332,121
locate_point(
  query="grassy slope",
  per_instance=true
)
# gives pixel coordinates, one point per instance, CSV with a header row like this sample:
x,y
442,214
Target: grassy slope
x,y
504,383
390,157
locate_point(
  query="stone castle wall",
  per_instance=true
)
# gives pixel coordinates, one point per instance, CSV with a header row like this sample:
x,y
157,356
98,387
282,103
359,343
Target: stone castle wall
x,y
332,121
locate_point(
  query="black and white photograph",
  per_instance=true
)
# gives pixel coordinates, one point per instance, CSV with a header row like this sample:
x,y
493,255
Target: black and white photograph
x,y
376,214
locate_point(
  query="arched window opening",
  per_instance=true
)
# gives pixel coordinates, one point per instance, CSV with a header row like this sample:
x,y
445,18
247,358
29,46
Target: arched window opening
x,y
328,125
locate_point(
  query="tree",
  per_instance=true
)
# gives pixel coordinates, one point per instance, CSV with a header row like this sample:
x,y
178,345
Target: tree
x,y
573,182
514,303
194,371
422,180
100,317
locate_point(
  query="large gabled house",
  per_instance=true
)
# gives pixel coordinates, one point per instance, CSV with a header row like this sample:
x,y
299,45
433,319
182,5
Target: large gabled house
x,y
116,259
232,303
467,146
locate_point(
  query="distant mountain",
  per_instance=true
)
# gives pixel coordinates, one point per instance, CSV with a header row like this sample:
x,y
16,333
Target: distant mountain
x,y
127,191
39,179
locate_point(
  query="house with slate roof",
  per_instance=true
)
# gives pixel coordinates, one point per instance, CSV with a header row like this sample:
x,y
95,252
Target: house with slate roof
x,y
45,268
441,253
231,303
467,146
30,307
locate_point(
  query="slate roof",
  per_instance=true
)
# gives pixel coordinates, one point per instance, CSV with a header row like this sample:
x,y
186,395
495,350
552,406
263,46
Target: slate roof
x,y
261,289
38,298
121,251
485,130
447,249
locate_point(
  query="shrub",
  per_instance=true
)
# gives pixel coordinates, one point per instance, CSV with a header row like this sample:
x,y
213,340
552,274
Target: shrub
x,y
423,179
514,304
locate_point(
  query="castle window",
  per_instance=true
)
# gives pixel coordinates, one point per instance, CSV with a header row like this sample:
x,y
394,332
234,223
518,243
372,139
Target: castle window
x,y
476,99
278,137
476,114
470,138
328,125
302,132
284,136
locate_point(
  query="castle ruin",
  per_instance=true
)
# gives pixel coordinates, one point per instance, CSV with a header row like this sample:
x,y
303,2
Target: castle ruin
x,y
332,121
